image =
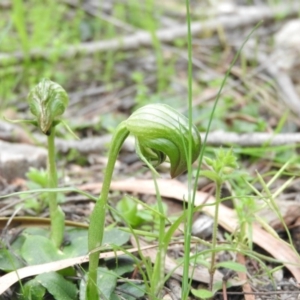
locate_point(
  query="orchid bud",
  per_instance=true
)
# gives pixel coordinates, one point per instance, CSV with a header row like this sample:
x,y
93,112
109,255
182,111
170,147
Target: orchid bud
x,y
47,101
161,132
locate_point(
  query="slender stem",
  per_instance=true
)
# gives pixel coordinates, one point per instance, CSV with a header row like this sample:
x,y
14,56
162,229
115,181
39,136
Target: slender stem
x,y
215,233
97,219
159,266
52,175
56,214
191,196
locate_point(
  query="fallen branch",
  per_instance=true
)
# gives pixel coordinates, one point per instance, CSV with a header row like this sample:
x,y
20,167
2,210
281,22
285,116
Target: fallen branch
x,y
256,139
245,17
13,133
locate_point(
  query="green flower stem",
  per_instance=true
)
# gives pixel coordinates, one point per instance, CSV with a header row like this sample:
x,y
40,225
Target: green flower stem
x,y
97,219
159,266
57,216
214,234
160,132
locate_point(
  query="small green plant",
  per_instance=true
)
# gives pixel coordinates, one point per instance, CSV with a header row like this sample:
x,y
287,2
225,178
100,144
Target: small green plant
x,y
47,102
128,209
38,179
220,168
160,132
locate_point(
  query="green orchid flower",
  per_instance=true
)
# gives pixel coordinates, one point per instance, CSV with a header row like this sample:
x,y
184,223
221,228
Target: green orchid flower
x,y
47,102
160,132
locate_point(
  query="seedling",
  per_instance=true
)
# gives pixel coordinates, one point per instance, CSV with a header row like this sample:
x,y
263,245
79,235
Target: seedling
x,y
38,179
223,165
160,132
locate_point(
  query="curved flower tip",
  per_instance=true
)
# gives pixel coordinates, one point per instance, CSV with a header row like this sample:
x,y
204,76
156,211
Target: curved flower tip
x,y
161,131
47,101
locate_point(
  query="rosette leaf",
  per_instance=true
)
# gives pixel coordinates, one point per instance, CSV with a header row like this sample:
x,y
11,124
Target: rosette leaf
x,y
47,102
160,132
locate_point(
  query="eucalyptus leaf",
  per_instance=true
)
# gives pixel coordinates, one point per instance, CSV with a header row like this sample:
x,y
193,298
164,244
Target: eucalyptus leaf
x,y
58,286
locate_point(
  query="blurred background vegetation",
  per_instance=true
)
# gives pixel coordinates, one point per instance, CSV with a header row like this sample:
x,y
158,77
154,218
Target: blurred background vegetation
x,y
39,39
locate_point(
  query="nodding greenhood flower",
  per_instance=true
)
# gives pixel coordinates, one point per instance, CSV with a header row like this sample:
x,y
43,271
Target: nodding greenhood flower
x,y
161,132
47,101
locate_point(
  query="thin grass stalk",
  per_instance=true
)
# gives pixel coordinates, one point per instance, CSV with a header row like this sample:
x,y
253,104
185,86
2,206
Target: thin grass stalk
x,y
191,198
214,234
159,266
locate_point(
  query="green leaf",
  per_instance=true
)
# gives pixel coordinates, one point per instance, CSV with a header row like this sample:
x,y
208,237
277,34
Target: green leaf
x,y
212,175
58,286
9,261
78,240
35,231
129,211
115,237
208,161
161,131
38,250
33,290
131,291
47,101
203,262
202,293
106,283
37,176
122,265
232,266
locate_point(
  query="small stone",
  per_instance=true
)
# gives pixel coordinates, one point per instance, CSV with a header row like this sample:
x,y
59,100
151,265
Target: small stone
x,y
203,226
16,159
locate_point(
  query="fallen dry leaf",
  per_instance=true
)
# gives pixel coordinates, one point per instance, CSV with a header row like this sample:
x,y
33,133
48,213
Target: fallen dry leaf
x,y
243,276
34,222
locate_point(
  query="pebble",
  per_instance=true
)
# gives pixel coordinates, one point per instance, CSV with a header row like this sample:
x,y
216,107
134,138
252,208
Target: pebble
x,y
203,226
